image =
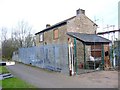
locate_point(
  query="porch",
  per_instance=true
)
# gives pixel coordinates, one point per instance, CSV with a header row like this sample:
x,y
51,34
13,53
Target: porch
x,y
90,53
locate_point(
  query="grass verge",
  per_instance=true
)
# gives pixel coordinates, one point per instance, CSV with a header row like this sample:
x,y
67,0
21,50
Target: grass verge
x,y
14,82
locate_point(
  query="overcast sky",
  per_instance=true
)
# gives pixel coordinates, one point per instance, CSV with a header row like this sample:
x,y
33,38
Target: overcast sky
x,y
38,13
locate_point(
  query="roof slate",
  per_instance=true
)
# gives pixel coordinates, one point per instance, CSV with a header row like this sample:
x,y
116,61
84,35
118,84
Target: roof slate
x,y
59,24
88,38
56,25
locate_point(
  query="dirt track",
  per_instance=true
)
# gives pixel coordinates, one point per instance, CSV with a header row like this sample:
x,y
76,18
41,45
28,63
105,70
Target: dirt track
x,y
45,79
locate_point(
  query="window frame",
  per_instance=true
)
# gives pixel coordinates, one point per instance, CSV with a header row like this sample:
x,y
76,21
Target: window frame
x,y
54,38
41,37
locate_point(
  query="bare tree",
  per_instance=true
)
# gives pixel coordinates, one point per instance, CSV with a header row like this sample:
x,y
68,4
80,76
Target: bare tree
x,y
29,40
21,33
8,48
6,44
20,37
4,34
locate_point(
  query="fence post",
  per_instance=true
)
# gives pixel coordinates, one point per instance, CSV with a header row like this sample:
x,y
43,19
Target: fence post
x,y
103,56
75,56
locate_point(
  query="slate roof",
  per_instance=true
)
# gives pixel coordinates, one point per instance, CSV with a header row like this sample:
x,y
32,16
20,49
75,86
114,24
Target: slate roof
x,y
60,24
56,25
88,38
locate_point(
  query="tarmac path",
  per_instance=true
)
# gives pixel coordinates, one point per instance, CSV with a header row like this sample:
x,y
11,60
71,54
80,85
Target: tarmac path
x,y
49,79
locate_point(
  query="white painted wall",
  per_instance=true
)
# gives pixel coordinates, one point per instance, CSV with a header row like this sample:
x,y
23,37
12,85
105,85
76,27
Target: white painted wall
x,y
111,36
10,63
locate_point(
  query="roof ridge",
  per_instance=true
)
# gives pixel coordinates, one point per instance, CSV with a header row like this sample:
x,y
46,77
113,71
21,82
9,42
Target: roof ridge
x,y
59,23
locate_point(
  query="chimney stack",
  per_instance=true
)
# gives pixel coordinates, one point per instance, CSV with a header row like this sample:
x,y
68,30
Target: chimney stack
x,y
47,25
80,11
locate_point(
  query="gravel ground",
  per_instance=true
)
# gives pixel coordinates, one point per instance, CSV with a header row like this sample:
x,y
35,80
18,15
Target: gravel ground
x,y
47,79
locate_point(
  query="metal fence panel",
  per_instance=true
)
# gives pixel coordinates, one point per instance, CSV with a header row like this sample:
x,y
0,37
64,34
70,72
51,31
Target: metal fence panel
x,y
52,57
117,52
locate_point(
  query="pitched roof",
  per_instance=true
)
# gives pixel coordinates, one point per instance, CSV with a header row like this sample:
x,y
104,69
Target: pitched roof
x,y
60,24
88,38
56,25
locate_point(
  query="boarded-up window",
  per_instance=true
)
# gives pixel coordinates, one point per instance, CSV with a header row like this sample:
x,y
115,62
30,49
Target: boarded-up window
x,y
55,34
96,50
41,37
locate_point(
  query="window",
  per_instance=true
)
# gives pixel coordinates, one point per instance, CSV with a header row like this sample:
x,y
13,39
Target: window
x,y
106,53
55,34
41,37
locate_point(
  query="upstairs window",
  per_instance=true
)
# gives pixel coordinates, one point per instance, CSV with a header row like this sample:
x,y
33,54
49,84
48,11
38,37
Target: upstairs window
x,y
55,34
41,37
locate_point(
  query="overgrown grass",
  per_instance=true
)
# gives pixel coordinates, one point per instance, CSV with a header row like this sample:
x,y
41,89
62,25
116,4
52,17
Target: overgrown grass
x,y
15,83
3,70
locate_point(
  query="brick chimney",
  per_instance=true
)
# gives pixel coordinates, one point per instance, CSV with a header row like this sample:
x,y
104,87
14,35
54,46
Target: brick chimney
x,y
47,25
80,11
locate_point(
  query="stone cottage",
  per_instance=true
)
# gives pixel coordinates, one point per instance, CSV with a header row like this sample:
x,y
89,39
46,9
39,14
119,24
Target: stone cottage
x,y
57,33
85,49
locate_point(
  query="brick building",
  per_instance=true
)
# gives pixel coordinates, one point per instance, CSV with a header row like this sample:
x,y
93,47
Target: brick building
x,y
79,33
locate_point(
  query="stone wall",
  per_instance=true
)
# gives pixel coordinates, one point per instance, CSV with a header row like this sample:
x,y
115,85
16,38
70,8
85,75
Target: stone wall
x,y
80,51
81,24
37,40
48,37
88,52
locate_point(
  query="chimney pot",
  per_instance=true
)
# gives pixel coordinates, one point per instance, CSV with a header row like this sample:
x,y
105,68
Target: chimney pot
x,y
80,11
47,25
